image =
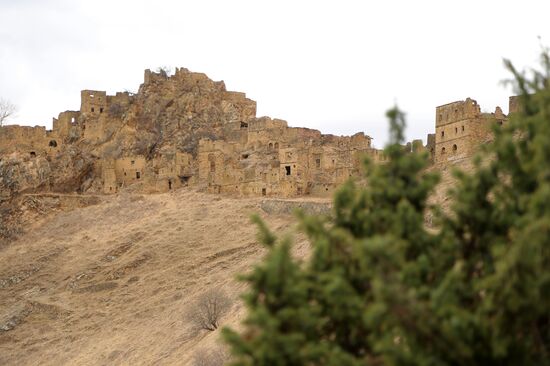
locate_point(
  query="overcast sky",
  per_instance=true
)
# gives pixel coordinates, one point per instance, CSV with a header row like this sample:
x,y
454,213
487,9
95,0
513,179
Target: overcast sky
x,y
331,65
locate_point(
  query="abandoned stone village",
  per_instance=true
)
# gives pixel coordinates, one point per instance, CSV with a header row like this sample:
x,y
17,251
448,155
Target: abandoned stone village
x,y
187,130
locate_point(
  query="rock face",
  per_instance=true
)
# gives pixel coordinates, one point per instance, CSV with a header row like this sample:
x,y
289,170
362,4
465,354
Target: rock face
x,y
66,172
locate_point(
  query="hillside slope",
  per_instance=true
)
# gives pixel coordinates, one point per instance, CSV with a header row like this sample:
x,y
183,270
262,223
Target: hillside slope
x,y
110,283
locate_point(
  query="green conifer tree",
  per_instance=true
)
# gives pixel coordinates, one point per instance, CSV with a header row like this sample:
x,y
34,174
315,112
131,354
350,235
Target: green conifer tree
x,y
380,288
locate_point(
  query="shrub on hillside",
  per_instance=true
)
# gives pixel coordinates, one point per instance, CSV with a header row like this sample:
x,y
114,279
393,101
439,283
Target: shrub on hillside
x,y
206,312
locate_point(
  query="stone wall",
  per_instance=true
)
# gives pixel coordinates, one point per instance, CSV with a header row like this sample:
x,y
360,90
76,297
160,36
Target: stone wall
x,y
27,141
93,102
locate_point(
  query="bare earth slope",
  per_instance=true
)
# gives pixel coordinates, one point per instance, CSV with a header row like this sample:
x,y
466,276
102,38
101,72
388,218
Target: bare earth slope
x,y
110,283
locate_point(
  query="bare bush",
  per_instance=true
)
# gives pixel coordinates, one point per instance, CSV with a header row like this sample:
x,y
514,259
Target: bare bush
x,y
208,309
210,357
7,109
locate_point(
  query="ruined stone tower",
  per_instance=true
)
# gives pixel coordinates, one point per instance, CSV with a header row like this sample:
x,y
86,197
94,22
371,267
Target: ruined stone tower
x,y
460,127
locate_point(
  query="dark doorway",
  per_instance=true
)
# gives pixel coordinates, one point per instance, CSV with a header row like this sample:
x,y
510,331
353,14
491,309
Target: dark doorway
x,y
287,168
138,175
169,184
184,180
264,191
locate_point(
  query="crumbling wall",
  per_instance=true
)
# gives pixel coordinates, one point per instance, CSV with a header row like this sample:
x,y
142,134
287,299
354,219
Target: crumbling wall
x,y
28,141
130,170
64,122
239,106
93,102
513,104
172,170
108,177
430,146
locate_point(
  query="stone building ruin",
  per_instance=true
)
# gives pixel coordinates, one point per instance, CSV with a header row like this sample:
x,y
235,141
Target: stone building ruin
x,y
460,127
187,130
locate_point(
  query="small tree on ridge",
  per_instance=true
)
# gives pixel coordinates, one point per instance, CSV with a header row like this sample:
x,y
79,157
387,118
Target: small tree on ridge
x,y
7,109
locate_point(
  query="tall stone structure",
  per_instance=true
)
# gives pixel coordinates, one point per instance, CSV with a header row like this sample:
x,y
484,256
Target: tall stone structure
x,y
460,127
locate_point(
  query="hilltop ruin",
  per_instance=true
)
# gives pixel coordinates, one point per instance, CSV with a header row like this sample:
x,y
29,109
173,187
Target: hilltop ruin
x,y
186,129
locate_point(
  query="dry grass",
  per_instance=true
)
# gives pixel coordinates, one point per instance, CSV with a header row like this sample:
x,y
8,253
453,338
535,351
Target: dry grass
x,y
110,283
215,356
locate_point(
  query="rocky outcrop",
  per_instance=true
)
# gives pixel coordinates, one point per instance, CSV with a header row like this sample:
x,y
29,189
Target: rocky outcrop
x,y
71,171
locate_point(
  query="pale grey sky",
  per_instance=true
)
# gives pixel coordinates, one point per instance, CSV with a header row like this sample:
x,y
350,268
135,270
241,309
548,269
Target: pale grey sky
x,y
331,65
